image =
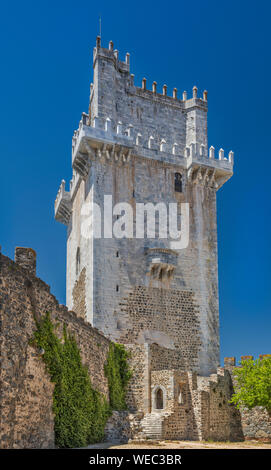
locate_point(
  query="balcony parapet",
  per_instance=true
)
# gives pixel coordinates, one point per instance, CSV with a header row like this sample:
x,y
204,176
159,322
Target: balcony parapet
x,y
63,205
161,263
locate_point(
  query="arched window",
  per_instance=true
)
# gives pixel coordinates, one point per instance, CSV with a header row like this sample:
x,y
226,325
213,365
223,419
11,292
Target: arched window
x,y
159,401
77,261
178,183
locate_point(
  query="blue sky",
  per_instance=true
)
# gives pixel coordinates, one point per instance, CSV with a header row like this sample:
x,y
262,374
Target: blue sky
x,y
46,69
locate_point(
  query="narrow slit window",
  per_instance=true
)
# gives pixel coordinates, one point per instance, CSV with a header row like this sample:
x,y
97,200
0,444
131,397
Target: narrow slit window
x,y
178,183
77,261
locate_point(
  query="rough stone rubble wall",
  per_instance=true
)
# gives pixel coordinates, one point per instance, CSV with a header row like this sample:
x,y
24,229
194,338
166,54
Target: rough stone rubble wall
x,y
205,411
184,420
256,424
138,393
165,316
26,398
26,391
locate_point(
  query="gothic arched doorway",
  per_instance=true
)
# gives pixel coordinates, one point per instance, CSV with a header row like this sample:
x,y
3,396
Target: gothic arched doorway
x,y
159,399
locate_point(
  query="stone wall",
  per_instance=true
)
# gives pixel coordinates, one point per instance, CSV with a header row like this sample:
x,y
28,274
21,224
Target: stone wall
x,y
196,407
203,412
138,393
26,390
122,426
116,267
145,360
256,424
186,415
79,295
26,257
224,418
162,358
168,318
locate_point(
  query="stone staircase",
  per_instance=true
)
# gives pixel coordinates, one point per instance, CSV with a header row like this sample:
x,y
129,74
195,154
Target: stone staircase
x,y
152,425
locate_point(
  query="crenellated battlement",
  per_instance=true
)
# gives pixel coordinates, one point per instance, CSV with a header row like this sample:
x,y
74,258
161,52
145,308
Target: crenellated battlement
x,y
112,55
231,361
220,155
127,122
123,140
153,116
173,100
99,141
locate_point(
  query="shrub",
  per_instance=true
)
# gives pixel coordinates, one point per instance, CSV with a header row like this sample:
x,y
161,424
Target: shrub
x,y
80,411
253,384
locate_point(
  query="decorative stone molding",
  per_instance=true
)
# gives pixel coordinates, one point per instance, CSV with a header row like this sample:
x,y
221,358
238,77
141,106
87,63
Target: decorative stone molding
x,y
82,164
204,176
161,263
102,131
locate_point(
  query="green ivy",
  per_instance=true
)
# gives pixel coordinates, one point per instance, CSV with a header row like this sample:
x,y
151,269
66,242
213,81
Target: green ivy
x,y
118,375
80,411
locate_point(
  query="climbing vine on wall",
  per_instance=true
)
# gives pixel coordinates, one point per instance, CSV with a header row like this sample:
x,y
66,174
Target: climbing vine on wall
x,y
80,411
118,375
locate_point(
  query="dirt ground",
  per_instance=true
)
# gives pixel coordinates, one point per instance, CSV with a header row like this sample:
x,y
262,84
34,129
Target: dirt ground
x,y
184,445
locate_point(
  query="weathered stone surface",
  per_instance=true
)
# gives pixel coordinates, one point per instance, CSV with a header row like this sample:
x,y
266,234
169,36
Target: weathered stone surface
x,y
165,317
123,426
26,390
134,146
194,406
26,257
79,295
130,147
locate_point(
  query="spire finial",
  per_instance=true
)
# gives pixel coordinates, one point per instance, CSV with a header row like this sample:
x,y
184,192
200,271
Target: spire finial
x,y
100,27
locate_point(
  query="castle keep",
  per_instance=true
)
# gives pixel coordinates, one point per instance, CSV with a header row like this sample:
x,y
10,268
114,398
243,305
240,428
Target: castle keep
x,y
140,146
153,294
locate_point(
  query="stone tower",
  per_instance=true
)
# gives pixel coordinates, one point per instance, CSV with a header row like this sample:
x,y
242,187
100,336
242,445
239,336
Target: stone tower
x,y
140,146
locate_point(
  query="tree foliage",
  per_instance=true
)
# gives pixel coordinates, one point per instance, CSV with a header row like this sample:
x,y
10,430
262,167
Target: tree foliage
x,y
253,384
